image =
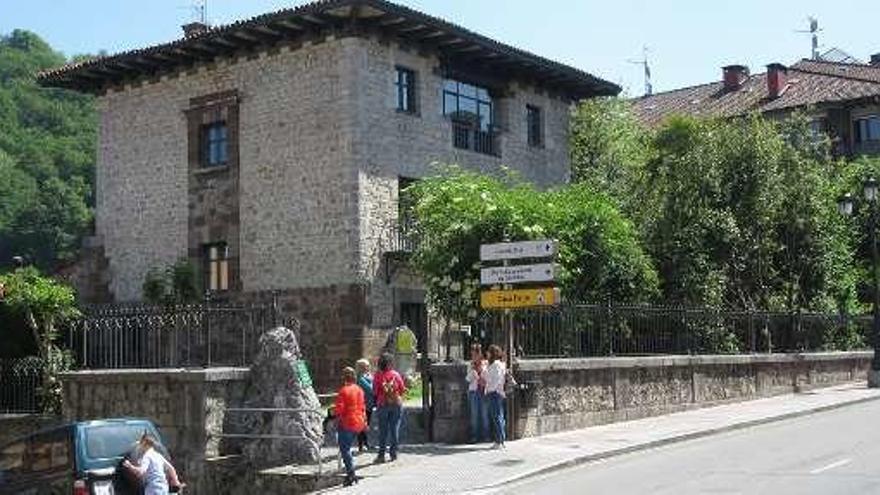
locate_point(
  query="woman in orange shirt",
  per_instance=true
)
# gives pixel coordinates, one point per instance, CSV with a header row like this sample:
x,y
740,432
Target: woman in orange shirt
x,y
349,412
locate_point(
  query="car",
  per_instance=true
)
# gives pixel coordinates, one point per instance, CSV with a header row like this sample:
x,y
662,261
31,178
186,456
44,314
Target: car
x,y
79,458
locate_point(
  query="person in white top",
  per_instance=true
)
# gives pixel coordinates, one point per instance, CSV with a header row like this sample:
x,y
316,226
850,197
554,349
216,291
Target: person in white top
x,y
152,468
496,374
477,404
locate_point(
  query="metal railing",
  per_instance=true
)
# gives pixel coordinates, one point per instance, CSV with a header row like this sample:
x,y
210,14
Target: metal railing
x,y
315,446
619,330
469,136
145,336
20,382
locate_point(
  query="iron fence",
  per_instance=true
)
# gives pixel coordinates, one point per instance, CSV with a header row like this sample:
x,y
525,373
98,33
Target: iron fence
x,y
617,330
143,336
20,382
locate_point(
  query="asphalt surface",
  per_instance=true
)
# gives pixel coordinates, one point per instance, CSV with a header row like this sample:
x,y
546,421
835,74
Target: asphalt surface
x,y
835,452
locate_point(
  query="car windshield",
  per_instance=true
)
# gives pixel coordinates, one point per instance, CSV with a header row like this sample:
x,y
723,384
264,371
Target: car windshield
x,y
112,440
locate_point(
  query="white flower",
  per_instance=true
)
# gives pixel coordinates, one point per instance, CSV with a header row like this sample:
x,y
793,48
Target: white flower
x,y
472,313
455,287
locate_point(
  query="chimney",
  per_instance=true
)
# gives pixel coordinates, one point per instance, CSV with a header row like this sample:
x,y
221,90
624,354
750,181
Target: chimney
x,y
875,59
777,79
194,29
734,76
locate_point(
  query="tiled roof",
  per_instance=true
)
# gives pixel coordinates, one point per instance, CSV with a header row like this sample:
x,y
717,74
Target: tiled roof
x,y
809,82
320,18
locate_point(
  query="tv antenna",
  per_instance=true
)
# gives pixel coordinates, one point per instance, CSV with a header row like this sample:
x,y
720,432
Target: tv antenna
x,y
198,10
814,34
649,89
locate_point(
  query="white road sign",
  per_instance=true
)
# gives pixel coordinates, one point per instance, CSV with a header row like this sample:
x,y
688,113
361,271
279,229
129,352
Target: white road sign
x,y
542,272
514,250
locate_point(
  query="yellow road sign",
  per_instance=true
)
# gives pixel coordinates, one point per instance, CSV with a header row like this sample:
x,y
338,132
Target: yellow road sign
x,y
519,298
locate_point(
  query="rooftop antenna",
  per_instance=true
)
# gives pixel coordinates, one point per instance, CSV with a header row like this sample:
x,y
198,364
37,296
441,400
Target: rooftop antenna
x,y
198,10
649,89
814,32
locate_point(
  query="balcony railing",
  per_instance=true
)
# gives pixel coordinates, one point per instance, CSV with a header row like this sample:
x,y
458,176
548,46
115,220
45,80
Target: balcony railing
x,y
400,238
469,136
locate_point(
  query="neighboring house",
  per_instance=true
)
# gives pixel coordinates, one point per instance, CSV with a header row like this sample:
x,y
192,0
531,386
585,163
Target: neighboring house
x,y
271,152
842,99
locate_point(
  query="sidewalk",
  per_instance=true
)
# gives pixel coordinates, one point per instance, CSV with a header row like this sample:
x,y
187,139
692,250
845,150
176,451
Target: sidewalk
x,y
431,469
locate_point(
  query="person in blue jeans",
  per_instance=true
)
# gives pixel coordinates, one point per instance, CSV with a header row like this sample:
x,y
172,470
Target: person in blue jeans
x,y
477,401
388,391
496,373
365,382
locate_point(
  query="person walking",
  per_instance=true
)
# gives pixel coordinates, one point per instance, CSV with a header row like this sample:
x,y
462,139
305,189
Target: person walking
x,y
153,471
496,374
351,420
477,403
365,382
388,390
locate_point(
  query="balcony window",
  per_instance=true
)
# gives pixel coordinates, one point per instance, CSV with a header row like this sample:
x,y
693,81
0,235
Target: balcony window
x,y
472,111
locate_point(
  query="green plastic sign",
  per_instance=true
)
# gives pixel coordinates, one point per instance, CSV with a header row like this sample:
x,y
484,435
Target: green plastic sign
x,y
302,373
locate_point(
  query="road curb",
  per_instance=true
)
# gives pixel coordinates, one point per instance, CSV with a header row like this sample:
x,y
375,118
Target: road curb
x,y
584,459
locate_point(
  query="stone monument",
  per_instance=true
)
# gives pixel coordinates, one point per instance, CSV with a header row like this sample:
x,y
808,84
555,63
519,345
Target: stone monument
x,y
279,379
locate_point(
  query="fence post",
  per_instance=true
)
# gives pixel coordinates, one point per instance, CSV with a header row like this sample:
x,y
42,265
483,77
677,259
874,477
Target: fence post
x,y
751,331
609,327
275,308
207,311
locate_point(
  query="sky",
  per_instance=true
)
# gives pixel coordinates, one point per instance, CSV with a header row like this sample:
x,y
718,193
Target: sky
x,y
687,41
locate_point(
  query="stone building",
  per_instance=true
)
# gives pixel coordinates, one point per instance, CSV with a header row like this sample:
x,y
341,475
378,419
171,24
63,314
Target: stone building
x,y
841,99
271,153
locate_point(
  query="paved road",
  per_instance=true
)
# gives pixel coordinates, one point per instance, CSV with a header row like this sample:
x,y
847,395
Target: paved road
x,y
836,452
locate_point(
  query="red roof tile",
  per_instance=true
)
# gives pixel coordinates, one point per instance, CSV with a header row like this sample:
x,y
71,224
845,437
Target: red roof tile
x,y
809,82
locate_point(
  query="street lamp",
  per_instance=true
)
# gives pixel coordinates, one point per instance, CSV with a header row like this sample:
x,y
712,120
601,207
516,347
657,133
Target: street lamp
x,y
845,207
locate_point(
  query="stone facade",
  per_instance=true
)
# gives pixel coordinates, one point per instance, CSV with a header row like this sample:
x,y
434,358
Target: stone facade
x,y
188,406
566,394
309,199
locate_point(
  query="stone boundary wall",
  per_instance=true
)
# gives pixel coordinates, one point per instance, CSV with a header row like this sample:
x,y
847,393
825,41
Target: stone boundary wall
x,y
568,394
188,406
13,426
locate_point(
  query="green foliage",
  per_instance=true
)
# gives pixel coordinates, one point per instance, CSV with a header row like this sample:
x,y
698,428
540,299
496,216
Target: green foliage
x,y
456,211
176,284
609,150
47,156
44,303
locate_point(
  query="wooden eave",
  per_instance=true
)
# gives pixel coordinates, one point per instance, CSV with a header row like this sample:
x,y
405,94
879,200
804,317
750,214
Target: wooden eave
x,y
452,44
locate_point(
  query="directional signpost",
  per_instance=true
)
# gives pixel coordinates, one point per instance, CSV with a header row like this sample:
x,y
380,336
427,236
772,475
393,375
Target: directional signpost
x,y
507,274
536,276
518,274
517,250
519,298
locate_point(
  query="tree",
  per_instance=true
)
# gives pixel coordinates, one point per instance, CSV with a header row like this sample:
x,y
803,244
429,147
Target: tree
x,y
45,304
176,284
609,151
47,156
456,211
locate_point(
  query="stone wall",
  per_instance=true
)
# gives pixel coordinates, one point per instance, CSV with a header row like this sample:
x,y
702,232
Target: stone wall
x,y
308,203
13,426
389,144
566,394
298,205
188,406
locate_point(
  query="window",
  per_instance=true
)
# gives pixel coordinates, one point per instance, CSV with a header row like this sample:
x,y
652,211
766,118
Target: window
x,y
867,129
535,126
217,266
215,144
473,113
406,90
